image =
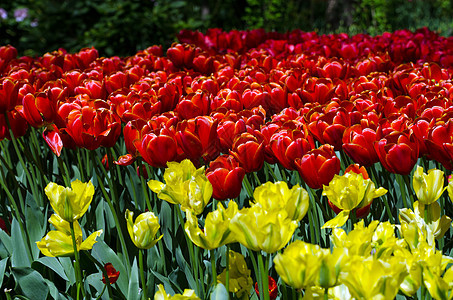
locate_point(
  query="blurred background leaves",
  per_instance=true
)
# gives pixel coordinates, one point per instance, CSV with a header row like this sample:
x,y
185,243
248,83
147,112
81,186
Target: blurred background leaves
x,y
118,27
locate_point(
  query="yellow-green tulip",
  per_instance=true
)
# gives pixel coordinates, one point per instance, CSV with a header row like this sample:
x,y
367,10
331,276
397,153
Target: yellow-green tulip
x,y
161,294
216,230
339,292
348,192
370,278
439,287
259,229
427,218
184,185
240,281
428,187
70,203
277,196
59,242
143,231
304,265
358,241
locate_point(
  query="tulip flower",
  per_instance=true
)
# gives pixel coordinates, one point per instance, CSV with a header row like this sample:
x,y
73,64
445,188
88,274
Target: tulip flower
x,y
439,287
358,144
373,278
225,175
70,203
59,242
161,294
143,231
277,196
273,290
397,152
318,166
349,192
358,241
184,185
216,230
259,229
240,281
112,273
249,152
303,265
428,187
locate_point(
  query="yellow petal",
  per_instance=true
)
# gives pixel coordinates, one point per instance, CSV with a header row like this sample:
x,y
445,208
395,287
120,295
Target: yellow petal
x,y
338,221
90,240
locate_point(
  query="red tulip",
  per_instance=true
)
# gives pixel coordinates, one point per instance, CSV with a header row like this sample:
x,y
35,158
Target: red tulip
x,y
358,144
194,105
112,274
157,147
225,175
18,124
287,145
397,152
91,126
181,55
56,139
273,289
249,152
318,166
439,143
198,138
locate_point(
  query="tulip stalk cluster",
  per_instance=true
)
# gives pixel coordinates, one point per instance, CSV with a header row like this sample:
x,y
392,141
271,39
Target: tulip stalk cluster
x,y
258,165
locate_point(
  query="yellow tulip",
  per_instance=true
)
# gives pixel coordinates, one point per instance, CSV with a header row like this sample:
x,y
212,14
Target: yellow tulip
x,y
240,281
370,278
304,265
143,231
59,242
428,187
216,230
70,203
339,292
348,192
161,294
184,185
259,229
439,287
428,219
277,196
358,241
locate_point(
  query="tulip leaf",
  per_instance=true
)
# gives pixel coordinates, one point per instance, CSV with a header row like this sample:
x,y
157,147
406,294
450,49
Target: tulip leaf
x,y
3,263
68,267
31,283
36,228
182,263
53,290
54,265
133,289
103,253
95,280
166,214
167,282
219,293
6,243
19,257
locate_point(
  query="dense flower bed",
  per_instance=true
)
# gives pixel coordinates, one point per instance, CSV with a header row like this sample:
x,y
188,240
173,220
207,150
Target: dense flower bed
x,y
300,136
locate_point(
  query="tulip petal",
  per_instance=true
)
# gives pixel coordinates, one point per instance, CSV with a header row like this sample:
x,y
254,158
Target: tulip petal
x,y
338,221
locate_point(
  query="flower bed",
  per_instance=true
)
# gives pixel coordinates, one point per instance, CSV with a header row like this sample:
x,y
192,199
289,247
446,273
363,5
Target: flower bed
x,y
310,166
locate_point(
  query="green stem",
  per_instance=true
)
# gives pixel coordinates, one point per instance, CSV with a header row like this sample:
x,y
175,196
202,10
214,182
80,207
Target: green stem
x,y
409,189
77,269
114,214
326,294
144,187
104,273
142,274
403,190
264,278
248,186
255,268
213,267
227,272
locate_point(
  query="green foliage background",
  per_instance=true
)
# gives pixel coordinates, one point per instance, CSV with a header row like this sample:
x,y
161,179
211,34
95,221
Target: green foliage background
x,y
118,27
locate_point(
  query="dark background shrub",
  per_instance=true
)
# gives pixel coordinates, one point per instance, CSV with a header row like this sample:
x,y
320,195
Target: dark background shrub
x,y
118,27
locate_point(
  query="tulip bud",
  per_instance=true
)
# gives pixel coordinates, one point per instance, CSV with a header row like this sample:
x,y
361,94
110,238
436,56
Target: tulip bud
x,y
428,187
143,231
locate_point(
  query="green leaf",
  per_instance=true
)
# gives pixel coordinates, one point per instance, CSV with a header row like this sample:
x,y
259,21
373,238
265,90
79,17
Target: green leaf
x,y
54,293
95,281
133,292
35,227
166,214
219,293
3,263
6,242
19,257
31,283
53,264
68,267
103,253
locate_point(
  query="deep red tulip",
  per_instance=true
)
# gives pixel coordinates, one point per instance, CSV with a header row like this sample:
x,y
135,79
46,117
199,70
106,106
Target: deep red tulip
x,y
85,57
198,138
112,273
181,55
318,166
157,147
228,131
273,288
57,138
91,127
9,90
439,143
397,152
225,175
358,144
249,152
18,124
287,145
194,105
